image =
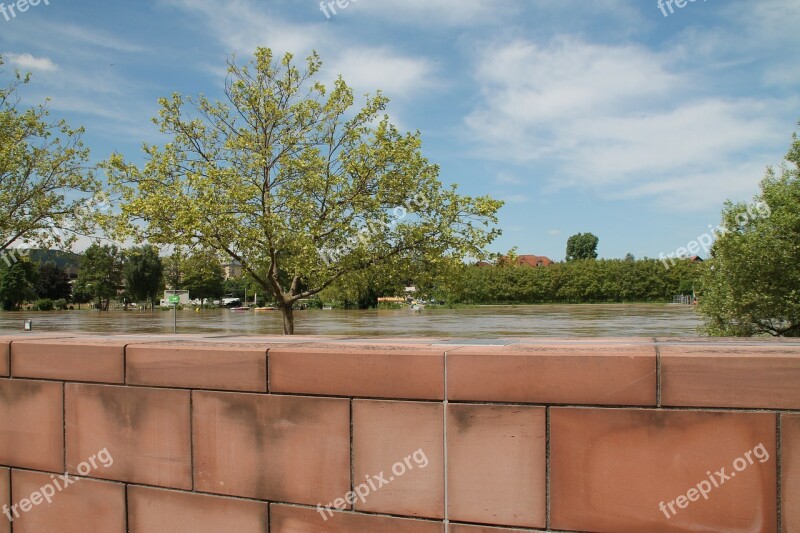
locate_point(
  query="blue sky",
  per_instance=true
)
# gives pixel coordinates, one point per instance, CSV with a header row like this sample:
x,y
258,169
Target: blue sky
x,y
583,115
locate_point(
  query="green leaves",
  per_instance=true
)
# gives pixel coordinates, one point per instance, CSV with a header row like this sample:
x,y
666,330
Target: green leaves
x,y
144,273
45,180
752,282
16,284
580,281
204,277
101,273
582,246
286,170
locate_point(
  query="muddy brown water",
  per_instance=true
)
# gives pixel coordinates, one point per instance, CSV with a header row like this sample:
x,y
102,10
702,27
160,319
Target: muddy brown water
x,y
616,320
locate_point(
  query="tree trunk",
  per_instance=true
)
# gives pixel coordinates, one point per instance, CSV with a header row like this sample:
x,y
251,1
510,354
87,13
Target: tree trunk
x,y
288,319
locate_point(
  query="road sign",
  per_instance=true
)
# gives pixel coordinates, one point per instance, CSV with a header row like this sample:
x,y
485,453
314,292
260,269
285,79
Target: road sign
x,y
174,299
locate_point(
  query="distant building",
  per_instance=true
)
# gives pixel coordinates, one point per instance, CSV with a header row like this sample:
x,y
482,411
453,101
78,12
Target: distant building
x,y
521,260
533,261
695,259
391,299
232,270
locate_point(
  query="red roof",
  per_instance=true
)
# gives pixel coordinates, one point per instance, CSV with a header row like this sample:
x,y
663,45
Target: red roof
x,y
533,260
522,260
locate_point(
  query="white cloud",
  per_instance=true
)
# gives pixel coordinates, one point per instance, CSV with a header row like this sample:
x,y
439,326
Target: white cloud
x,y
29,62
242,26
530,91
699,190
516,199
504,178
369,69
438,12
92,36
768,20
621,120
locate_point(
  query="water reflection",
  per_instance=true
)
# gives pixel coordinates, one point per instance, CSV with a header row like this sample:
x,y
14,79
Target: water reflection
x,y
623,320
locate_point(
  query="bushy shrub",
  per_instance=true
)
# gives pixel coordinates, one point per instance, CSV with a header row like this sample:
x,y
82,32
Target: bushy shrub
x,y
44,304
61,304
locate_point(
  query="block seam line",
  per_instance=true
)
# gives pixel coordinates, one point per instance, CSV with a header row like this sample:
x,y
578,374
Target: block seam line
x,y
64,422
547,471
125,364
8,360
10,369
10,497
658,374
191,438
352,449
779,468
444,444
267,370
269,518
127,510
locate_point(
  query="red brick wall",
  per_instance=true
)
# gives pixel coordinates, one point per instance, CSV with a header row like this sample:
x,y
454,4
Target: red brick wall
x,y
250,435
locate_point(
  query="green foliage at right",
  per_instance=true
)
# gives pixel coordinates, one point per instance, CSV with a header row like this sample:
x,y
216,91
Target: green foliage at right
x,y
752,284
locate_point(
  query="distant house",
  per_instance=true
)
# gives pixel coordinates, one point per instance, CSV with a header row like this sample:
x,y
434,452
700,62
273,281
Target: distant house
x,y
695,259
232,269
533,261
521,260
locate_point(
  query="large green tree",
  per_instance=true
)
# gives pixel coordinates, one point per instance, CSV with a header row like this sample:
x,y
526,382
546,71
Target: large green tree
x,y
203,275
752,280
101,274
144,273
243,286
53,282
45,180
582,246
288,179
17,283
173,270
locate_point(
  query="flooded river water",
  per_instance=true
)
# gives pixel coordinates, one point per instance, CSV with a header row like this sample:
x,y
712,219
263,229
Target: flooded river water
x,y
615,320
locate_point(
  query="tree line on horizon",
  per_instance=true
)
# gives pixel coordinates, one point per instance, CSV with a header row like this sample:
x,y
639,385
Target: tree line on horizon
x,y
577,281
106,274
